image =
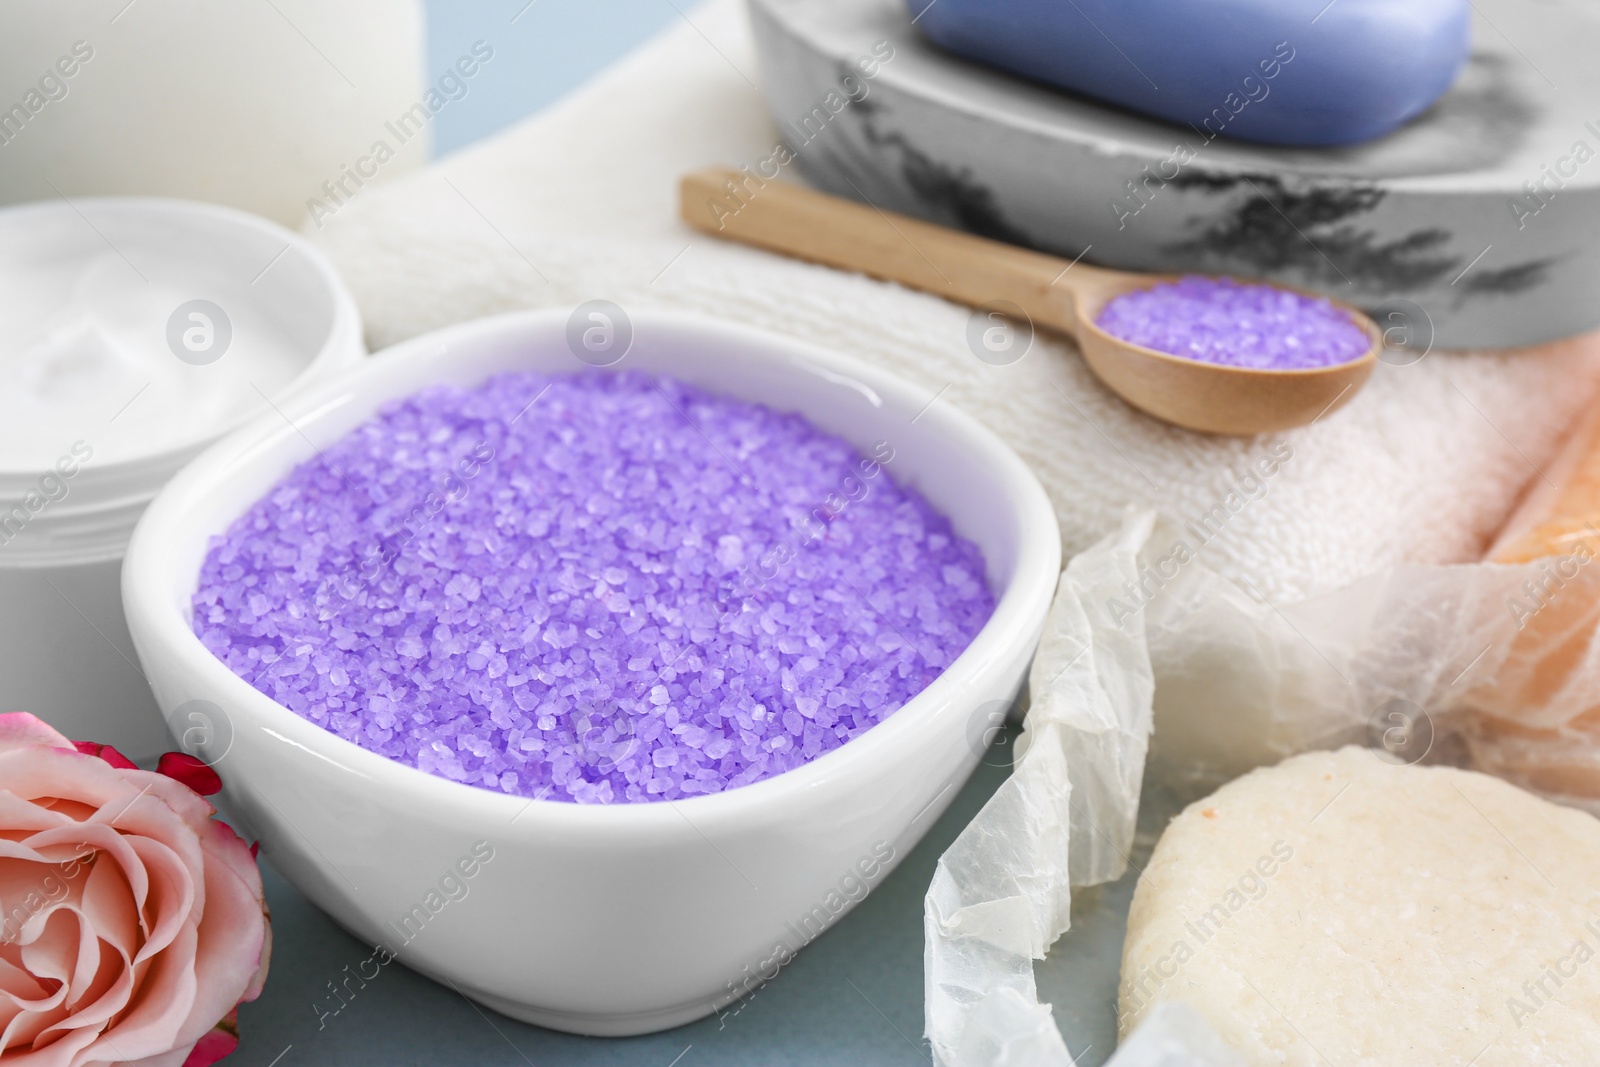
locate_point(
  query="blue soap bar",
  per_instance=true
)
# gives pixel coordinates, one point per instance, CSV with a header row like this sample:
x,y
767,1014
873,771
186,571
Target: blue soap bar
x,y
1292,72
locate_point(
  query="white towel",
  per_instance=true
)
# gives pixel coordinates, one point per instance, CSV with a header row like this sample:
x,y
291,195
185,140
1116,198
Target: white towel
x,y
579,203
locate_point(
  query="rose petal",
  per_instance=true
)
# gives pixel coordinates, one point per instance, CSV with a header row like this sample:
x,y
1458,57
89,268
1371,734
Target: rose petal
x,y
20,988
19,814
104,994
31,887
173,897
108,905
65,1051
142,892
223,844
161,859
182,767
53,949
26,889
259,981
107,753
29,996
105,842
176,1058
218,1042
18,729
48,955
235,941
162,999
48,774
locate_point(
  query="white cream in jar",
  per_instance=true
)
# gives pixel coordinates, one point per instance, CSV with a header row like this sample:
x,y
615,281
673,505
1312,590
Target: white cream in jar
x,y
134,332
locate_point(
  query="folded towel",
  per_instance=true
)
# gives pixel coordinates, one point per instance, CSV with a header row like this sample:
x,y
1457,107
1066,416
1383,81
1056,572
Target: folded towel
x,y
579,203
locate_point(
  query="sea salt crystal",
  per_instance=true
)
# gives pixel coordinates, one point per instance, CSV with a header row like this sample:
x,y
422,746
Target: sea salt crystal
x,y
1219,320
602,588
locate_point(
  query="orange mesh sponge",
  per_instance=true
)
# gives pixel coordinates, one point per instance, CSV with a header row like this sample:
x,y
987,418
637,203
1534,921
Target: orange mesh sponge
x,y
1538,721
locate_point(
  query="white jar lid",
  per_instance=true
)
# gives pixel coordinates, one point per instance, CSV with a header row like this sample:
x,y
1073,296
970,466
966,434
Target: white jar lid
x,y
136,331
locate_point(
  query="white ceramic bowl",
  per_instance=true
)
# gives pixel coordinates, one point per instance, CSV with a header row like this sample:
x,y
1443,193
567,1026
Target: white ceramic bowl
x,y
615,919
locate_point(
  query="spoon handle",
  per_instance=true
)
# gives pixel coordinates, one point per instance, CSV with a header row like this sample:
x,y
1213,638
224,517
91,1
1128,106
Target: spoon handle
x,y
800,222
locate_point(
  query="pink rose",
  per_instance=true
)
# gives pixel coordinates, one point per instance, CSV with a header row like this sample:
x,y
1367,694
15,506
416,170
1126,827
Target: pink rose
x,y
132,923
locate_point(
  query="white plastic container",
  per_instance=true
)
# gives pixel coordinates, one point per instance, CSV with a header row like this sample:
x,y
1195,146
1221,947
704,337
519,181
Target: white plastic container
x,y
253,105
134,332
600,919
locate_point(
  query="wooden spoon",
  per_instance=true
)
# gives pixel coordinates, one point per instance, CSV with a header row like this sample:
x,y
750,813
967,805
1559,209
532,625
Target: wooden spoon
x,y
1053,292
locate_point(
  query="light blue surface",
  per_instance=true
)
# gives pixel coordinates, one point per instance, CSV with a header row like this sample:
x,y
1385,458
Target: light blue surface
x,y
542,50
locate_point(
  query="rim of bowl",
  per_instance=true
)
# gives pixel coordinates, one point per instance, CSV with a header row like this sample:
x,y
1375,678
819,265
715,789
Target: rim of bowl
x,y
344,325
150,577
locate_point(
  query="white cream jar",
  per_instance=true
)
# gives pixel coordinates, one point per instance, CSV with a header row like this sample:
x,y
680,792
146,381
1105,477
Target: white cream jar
x,y
254,105
134,333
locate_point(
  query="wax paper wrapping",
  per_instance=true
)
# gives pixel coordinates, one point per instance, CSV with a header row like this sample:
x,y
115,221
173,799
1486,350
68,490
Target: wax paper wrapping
x,y
1149,656
1001,894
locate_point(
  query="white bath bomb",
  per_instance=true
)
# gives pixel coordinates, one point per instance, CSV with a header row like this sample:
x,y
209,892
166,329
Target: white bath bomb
x,y
1340,909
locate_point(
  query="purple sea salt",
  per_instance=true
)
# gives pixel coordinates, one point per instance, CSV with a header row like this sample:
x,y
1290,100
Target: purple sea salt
x,y
1219,320
599,588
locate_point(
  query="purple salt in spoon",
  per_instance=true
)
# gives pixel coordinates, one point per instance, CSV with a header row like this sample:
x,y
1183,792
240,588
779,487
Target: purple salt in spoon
x,y
1250,358
1221,355
1235,324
